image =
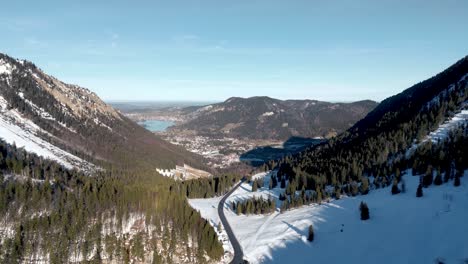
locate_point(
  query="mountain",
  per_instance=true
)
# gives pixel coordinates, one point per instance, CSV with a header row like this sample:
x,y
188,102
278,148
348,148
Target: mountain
x,y
268,118
72,124
79,181
396,179
424,128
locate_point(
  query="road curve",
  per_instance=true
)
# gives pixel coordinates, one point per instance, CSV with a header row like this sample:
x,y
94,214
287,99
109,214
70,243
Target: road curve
x,y
238,253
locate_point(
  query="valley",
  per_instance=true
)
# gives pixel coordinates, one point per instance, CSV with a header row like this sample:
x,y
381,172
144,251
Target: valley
x,y
234,132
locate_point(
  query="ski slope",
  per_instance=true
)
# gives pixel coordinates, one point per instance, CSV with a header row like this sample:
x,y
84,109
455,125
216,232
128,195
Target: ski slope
x,y
402,228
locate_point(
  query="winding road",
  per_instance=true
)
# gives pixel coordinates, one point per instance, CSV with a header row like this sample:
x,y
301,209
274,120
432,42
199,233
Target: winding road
x,y
238,253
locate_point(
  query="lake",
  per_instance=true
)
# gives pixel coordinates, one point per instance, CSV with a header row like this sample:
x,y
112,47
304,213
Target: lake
x,y
156,125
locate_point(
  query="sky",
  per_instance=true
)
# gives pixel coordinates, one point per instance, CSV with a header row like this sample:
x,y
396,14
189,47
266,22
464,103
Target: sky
x,y
212,50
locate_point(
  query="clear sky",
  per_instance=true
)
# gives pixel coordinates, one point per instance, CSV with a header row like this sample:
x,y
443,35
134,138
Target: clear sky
x,y
212,50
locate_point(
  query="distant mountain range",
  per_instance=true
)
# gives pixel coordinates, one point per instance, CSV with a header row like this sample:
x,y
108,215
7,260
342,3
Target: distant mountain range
x,y
268,118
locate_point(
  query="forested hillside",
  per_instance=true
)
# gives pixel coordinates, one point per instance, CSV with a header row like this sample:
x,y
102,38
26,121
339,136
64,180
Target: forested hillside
x,y
393,137
78,121
56,211
268,118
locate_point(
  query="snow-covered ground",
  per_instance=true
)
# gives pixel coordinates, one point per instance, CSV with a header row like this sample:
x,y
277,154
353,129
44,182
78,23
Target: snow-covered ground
x,y
16,129
209,210
402,228
443,131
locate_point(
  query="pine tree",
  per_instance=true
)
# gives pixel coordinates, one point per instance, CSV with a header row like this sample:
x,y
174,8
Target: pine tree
x,y
395,189
428,177
239,209
447,174
365,186
438,178
364,211
274,181
337,192
311,234
254,186
457,182
419,192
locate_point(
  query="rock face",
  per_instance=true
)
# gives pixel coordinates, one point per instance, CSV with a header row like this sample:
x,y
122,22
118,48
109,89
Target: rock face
x,y
268,118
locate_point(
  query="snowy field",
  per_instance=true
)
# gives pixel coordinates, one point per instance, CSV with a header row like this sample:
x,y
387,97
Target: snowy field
x,y
402,228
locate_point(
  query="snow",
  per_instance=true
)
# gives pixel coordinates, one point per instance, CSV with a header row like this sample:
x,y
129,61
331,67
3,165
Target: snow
x,y
5,67
443,131
209,210
166,172
268,114
402,228
15,129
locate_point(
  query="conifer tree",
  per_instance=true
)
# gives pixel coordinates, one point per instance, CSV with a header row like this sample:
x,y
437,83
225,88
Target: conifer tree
x,y
254,186
365,185
419,191
311,234
395,189
337,192
457,182
438,178
364,211
428,177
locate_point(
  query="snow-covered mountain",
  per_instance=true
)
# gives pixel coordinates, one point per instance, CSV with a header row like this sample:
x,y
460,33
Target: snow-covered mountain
x,y
22,132
71,124
40,113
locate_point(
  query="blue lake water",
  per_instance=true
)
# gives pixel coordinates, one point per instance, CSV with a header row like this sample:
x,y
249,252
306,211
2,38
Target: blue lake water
x,y
156,125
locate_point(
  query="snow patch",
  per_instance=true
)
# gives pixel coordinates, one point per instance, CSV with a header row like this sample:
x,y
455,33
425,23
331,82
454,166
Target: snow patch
x,y
442,132
5,67
15,129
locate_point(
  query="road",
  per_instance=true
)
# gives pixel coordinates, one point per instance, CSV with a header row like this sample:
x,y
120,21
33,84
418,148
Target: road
x,y
238,253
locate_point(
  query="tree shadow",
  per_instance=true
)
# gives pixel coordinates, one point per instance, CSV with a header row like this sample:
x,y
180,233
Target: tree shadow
x,y
260,155
297,230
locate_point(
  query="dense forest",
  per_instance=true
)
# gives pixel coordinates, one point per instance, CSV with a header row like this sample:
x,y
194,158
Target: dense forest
x,y
67,215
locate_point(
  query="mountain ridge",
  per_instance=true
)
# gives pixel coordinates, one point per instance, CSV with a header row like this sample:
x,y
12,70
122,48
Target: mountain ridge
x,y
76,120
263,117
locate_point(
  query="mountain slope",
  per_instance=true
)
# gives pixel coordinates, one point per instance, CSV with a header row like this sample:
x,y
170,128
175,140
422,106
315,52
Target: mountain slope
x,y
407,160
378,145
78,182
394,233
77,121
268,118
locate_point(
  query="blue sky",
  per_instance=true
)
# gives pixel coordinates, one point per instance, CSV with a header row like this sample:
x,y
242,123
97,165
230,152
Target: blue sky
x,y
212,50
